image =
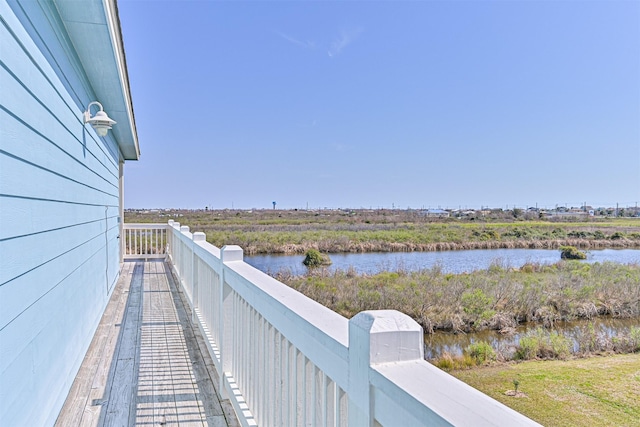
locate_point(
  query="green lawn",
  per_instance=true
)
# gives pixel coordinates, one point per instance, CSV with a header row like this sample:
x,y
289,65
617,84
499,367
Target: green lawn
x,y
598,391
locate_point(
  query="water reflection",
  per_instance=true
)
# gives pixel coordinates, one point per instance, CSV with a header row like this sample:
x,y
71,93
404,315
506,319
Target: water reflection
x,y
443,342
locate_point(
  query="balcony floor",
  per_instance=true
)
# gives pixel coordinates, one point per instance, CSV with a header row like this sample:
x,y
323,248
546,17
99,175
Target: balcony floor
x,y
146,364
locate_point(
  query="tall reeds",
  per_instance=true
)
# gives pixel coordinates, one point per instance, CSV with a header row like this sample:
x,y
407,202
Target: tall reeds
x,y
497,298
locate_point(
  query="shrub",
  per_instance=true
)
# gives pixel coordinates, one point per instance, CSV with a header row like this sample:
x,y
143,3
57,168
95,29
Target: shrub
x,y
577,234
481,352
542,344
447,362
627,343
634,333
528,348
617,235
444,362
314,258
528,268
560,345
571,252
477,304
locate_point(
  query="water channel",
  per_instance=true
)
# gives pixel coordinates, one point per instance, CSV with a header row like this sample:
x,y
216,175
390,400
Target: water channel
x,y
440,342
458,262
449,261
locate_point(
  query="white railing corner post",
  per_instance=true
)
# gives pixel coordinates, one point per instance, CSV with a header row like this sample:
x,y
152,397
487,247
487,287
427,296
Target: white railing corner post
x,y
187,282
375,337
169,238
228,254
198,236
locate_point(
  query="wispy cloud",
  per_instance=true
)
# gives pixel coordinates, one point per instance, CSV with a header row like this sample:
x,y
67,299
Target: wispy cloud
x,y
340,147
305,44
337,45
343,40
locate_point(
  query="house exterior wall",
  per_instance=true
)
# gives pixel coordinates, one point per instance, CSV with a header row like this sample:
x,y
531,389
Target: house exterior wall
x,y
59,214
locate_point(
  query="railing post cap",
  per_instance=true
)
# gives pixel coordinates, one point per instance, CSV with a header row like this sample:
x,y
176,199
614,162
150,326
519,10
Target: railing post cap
x,y
171,222
184,228
231,253
176,224
199,236
385,321
392,336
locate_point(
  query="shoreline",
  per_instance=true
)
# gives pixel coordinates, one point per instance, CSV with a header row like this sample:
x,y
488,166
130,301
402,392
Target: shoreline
x,y
373,246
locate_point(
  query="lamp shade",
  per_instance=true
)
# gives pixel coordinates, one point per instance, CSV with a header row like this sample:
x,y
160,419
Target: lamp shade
x,y
100,122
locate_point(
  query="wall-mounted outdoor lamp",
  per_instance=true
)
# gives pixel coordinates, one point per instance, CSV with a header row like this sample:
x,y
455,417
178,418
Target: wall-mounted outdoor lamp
x,y
100,122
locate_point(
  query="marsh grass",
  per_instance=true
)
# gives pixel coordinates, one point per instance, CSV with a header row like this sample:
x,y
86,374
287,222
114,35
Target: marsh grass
x,y
498,298
267,231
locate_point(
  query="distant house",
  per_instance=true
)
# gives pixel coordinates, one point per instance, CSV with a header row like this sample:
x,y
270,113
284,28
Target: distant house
x,y
60,196
436,213
566,214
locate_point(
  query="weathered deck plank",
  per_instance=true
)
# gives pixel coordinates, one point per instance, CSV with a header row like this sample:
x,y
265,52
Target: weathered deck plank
x,y
146,364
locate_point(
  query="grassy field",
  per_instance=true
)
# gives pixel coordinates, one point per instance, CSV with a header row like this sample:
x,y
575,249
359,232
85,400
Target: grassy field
x,y
602,391
268,231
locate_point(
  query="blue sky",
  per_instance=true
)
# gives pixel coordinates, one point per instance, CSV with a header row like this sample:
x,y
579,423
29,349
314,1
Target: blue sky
x,y
383,104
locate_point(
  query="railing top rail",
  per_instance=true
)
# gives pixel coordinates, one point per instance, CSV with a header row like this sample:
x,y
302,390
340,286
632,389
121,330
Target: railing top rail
x,y
431,395
207,247
324,320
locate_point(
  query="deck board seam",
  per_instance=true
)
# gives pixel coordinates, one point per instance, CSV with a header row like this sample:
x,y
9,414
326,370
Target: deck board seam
x,y
146,359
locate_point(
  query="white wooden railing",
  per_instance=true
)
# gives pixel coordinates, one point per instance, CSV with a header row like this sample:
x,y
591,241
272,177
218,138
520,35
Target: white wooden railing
x,y
144,241
284,359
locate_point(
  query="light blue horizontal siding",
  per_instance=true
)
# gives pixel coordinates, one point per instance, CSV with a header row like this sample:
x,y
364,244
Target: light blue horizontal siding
x,y
53,253
59,242
36,394
34,73
32,216
19,177
34,317
22,110
43,151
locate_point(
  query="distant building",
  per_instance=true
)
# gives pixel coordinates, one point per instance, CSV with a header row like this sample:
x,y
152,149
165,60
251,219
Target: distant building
x,y
566,214
60,196
436,213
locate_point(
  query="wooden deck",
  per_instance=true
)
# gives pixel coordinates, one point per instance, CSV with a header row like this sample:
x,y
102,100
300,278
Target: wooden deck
x,y
146,365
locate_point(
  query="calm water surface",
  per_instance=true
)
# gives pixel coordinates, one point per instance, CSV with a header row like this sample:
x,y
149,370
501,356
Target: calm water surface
x,y
449,261
439,343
